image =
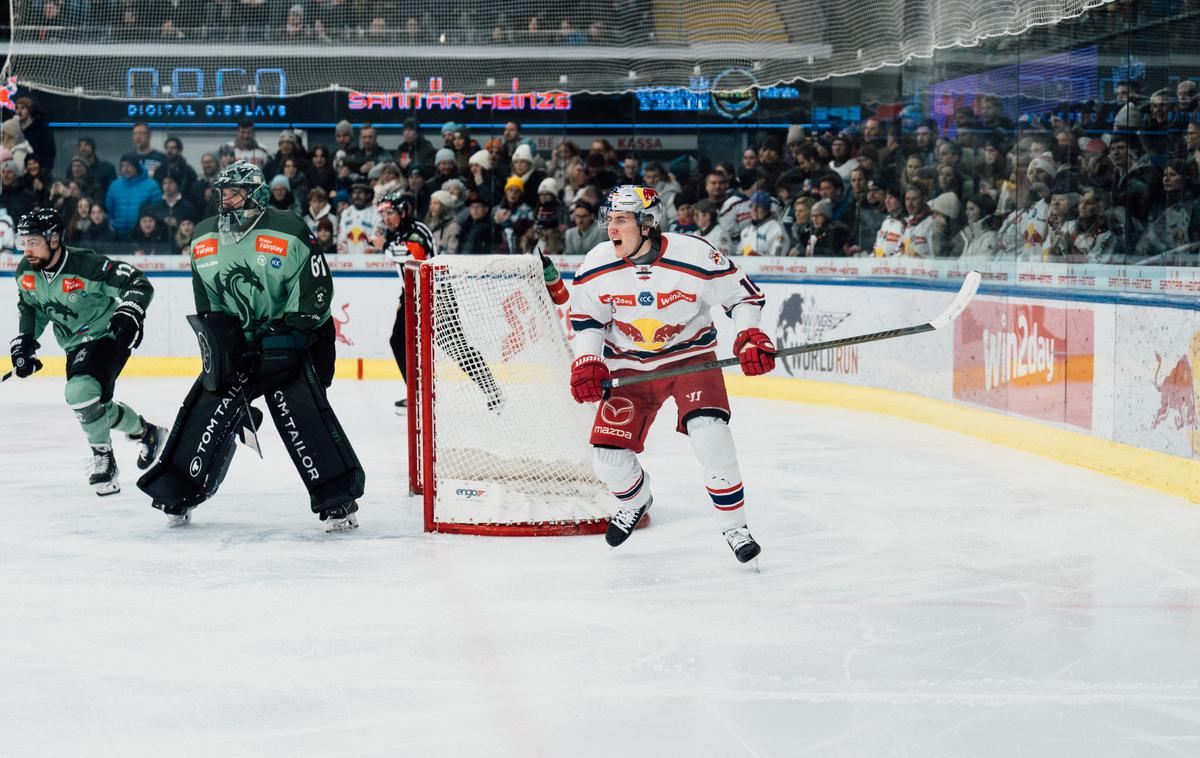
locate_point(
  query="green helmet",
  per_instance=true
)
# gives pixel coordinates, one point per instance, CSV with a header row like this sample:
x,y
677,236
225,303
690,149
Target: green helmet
x,y
254,195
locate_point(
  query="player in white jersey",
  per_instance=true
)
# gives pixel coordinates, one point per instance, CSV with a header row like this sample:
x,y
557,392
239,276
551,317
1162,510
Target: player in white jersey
x,y
641,301
359,221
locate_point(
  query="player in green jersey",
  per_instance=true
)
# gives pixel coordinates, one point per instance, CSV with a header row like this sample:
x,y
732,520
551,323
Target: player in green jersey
x,y
96,307
262,294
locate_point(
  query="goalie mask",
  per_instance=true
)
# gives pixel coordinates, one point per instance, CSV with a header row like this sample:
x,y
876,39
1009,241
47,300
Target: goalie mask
x,y
243,194
643,202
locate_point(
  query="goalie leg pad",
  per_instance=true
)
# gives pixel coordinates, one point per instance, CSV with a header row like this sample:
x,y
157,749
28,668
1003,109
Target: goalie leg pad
x,y
712,443
619,469
315,440
198,451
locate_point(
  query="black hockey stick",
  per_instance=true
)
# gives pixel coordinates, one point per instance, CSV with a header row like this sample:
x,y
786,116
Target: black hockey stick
x,y
970,285
248,434
37,366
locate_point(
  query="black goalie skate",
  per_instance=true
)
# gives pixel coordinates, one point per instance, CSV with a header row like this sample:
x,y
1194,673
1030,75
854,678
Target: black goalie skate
x,y
340,518
177,515
624,522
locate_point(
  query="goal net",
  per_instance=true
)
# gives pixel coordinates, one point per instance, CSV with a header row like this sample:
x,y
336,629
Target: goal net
x,y
496,444
199,48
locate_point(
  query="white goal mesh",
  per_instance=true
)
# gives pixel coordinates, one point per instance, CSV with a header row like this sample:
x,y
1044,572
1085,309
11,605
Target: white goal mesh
x,y
201,48
500,442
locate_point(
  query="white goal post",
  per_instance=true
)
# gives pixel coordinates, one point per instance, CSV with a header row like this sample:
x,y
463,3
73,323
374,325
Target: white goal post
x,y
497,446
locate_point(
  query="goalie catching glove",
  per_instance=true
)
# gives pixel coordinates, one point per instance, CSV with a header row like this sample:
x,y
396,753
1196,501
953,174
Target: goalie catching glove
x,y
125,325
755,351
24,355
588,375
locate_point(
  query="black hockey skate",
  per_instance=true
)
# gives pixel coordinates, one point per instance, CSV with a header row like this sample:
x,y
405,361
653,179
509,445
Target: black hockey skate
x,y
104,471
402,407
742,544
340,518
150,443
624,522
177,515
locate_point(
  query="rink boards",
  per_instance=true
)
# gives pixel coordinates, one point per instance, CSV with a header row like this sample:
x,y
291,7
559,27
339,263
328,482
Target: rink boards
x,y
1102,374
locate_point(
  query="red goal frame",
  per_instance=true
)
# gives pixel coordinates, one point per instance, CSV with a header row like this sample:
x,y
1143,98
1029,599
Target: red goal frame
x,y
421,391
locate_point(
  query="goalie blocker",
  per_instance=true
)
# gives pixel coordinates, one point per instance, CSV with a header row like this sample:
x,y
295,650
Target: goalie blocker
x,y
201,445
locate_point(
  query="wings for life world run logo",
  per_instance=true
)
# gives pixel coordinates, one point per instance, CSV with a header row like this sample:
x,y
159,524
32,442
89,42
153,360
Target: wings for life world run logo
x,y
801,322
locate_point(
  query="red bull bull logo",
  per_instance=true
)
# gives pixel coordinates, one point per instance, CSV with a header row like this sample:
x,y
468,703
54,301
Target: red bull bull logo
x,y
648,333
340,323
1177,396
647,195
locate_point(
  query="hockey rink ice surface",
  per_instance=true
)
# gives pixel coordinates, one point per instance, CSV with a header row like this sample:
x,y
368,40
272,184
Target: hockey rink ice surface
x,y
921,593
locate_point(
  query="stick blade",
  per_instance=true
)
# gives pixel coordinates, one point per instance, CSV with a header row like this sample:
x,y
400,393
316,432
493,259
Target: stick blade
x,y
248,436
961,300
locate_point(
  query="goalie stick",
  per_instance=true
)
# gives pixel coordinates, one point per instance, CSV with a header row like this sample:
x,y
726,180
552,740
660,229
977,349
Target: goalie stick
x,y
959,304
248,434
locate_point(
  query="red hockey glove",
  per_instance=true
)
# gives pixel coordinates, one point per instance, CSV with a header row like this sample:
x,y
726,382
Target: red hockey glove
x,y
588,374
755,352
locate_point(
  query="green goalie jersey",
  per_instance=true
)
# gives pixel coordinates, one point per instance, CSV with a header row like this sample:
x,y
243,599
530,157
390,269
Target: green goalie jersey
x,y
272,274
79,298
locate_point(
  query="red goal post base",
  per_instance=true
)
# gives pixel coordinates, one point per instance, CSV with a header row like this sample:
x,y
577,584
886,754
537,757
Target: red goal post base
x,y
527,530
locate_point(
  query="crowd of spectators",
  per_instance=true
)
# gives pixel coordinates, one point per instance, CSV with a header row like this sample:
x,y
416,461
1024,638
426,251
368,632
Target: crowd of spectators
x,y
536,23
1115,182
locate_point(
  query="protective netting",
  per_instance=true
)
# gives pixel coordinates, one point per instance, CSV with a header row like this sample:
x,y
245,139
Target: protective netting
x,y
202,48
510,445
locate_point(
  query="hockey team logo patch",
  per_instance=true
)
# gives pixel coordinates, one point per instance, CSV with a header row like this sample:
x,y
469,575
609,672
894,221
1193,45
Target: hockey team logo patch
x,y
674,296
71,284
648,333
29,282
204,247
627,301
265,243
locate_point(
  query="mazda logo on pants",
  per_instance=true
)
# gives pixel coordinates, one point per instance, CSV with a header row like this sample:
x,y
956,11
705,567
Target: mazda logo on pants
x,y
617,411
